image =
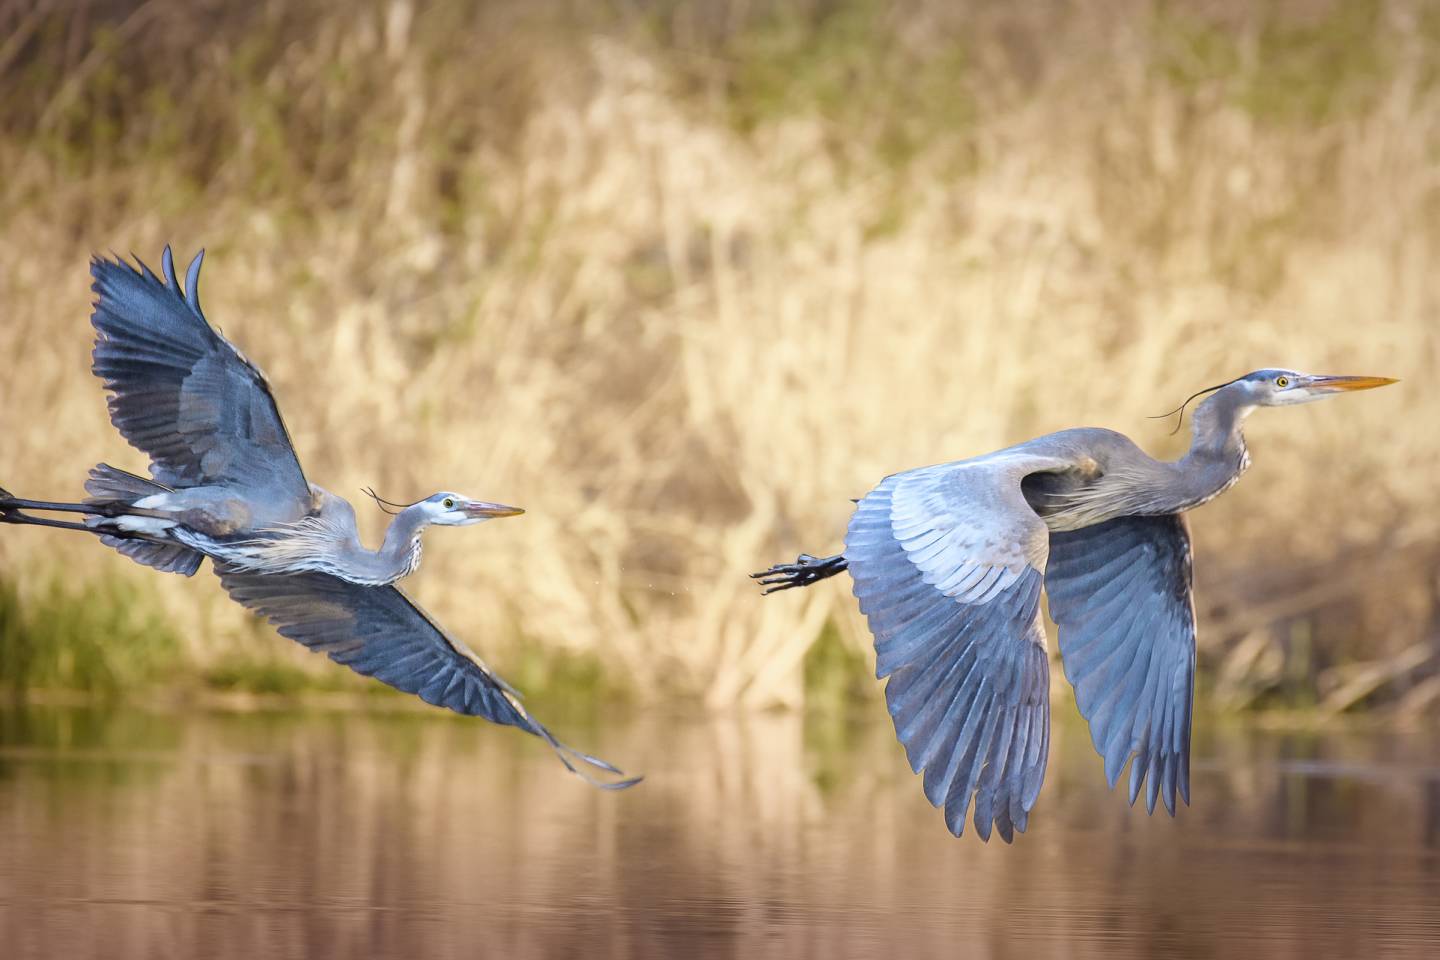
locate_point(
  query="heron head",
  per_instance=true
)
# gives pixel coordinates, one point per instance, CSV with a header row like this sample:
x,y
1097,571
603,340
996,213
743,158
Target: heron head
x,y
1271,387
452,510
1283,388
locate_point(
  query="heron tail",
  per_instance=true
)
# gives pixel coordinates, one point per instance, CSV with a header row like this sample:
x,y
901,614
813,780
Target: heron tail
x,y
108,484
803,572
113,490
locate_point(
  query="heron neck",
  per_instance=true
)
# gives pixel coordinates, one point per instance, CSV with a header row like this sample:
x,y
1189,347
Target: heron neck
x,y
1217,455
398,556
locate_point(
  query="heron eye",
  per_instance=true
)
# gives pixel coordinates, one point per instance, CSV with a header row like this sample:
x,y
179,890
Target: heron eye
x,y
450,503
1282,382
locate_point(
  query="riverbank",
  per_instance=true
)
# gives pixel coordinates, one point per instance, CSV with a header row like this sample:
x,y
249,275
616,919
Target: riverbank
x,y
682,280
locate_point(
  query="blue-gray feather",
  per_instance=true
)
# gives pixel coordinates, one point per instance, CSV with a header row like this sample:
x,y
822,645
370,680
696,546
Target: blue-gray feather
x,y
968,682
109,484
1120,594
375,631
180,391
379,632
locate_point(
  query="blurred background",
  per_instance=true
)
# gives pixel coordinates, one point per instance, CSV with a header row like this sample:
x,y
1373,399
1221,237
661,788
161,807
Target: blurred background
x,y
684,278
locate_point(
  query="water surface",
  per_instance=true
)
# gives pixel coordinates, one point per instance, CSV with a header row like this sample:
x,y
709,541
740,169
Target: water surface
x,y
202,834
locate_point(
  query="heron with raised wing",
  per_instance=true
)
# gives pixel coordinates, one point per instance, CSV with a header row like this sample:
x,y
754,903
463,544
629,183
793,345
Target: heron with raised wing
x,y
948,563
226,484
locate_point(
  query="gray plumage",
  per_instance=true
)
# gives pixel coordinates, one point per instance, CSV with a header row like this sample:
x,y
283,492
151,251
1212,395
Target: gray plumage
x,y
1120,594
379,632
186,396
969,683
226,484
948,564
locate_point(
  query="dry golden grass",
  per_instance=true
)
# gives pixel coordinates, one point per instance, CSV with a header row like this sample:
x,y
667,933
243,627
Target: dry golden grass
x,y
683,281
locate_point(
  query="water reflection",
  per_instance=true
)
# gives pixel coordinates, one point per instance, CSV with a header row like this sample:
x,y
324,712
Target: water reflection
x,y
338,834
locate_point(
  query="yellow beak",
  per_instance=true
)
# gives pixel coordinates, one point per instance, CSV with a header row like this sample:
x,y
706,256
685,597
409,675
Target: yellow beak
x,y
1342,384
479,508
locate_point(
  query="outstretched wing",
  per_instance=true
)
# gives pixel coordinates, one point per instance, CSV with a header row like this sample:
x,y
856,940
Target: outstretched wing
x,y
180,391
947,563
381,633
1120,594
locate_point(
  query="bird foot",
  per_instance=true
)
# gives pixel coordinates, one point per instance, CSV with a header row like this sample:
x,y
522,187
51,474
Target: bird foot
x,y
804,571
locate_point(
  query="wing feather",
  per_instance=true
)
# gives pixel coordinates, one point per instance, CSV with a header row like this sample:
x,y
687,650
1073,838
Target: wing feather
x,y
1120,592
381,633
947,564
181,392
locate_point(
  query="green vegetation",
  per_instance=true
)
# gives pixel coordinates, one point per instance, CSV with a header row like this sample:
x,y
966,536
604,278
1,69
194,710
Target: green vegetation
x,y
1302,71
256,673
560,675
837,675
102,638
846,64
108,639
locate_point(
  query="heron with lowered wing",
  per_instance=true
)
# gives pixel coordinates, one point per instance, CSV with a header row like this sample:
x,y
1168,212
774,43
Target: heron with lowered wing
x,y
949,561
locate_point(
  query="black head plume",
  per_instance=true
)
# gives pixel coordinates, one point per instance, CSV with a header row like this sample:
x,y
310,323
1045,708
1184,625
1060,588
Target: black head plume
x,y
1181,409
384,504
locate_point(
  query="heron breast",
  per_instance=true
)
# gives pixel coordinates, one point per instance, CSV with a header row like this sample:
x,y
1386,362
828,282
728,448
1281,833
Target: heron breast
x,y
412,559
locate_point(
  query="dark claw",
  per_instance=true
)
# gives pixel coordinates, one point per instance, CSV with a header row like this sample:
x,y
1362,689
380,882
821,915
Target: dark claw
x,y
804,571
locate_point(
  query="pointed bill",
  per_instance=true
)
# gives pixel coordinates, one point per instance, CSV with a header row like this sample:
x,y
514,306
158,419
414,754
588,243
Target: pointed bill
x,y
1345,384
480,509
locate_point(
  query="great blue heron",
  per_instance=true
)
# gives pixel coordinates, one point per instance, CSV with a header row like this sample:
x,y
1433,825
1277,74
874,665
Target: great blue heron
x,y
227,485
948,562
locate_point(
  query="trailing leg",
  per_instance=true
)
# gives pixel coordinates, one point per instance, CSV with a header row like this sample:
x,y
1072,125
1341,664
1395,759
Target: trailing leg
x,y
99,522
110,514
803,572
11,503
10,515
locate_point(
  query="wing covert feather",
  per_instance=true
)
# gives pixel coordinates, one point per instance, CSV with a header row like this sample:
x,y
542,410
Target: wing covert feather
x,y
947,565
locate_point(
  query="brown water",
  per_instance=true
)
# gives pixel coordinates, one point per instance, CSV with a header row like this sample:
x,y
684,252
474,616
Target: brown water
x,y
193,835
